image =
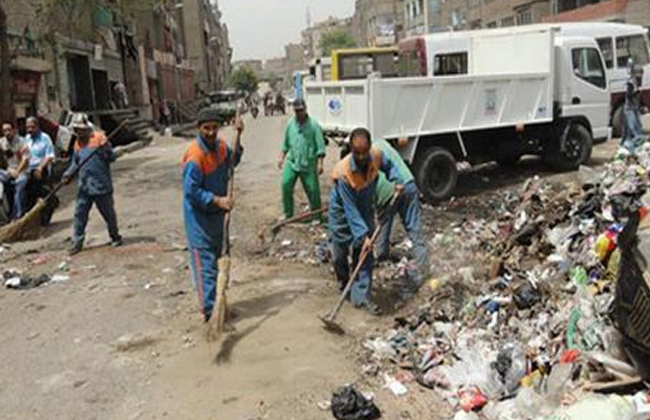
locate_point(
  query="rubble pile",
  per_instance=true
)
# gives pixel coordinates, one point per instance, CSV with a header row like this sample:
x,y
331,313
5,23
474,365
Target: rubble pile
x,y
530,333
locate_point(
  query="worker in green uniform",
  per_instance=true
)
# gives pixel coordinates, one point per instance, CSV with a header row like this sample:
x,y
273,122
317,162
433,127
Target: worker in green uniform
x,y
303,152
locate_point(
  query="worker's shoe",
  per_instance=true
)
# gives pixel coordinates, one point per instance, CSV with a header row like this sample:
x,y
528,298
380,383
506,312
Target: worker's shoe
x,y
372,308
117,242
75,249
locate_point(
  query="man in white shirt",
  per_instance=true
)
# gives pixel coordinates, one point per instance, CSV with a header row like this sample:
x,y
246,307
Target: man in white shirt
x,y
15,175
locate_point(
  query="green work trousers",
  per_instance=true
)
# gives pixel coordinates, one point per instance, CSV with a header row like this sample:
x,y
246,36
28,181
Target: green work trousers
x,y
309,180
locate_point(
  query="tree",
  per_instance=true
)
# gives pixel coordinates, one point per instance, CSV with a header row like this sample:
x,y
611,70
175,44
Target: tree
x,y
244,79
5,68
336,39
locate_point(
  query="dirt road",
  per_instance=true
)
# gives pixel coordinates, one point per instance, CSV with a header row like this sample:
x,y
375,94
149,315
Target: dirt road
x,y
122,338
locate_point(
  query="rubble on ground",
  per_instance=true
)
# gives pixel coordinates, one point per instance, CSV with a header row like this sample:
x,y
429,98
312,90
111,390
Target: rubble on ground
x,y
518,321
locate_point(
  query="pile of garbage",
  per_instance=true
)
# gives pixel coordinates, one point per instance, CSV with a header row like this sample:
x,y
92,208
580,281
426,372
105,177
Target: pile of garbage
x,y
534,333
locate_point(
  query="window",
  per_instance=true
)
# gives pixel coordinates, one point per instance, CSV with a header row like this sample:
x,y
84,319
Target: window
x,y
420,7
410,64
450,64
359,66
509,21
634,46
524,18
588,66
606,46
491,25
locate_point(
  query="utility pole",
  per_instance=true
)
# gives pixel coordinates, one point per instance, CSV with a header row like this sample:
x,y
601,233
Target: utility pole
x,y
426,16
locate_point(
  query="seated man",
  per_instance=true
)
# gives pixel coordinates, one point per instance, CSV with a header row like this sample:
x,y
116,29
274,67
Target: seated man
x,y
15,175
41,150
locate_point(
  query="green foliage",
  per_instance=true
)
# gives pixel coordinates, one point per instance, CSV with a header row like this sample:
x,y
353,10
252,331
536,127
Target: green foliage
x,y
244,79
336,40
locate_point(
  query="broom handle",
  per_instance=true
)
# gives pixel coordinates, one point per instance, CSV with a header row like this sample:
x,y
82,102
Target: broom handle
x,y
362,260
84,161
231,183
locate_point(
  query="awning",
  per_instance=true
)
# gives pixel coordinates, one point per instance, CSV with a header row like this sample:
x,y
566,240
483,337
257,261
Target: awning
x,y
36,65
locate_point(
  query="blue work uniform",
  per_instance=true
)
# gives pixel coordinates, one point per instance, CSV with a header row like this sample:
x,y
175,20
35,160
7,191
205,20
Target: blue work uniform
x,y
205,176
352,218
410,211
95,185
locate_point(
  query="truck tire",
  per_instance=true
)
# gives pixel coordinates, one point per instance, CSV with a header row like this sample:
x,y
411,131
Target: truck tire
x,y
571,148
617,122
436,174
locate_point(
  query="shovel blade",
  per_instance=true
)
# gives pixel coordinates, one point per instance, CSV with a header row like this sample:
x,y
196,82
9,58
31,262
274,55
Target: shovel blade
x,y
331,325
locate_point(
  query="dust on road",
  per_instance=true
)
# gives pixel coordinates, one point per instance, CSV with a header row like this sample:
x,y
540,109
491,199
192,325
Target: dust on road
x,y
122,339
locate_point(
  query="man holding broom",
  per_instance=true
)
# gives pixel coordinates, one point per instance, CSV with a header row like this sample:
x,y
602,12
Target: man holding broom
x,y
206,175
92,158
352,213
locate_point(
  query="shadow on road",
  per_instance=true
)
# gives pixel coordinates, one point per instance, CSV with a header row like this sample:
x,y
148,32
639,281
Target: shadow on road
x,y
263,307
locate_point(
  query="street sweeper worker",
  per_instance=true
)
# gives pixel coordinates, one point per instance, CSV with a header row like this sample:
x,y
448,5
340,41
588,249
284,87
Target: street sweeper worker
x,y
95,182
352,213
205,202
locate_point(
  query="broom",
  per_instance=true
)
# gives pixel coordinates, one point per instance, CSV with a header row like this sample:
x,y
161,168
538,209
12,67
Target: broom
x,y
218,319
18,229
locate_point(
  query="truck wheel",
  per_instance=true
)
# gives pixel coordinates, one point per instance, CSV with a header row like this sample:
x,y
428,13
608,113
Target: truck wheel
x,y
437,174
617,122
570,149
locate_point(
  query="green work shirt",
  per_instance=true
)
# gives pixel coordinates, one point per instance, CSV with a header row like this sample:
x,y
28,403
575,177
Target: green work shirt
x,y
304,144
385,188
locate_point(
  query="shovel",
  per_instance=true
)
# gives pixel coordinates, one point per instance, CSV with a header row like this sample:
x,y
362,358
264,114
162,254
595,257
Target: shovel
x,y
329,321
275,228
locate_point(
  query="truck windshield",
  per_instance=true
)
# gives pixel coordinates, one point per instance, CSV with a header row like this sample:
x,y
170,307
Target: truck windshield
x,y
634,46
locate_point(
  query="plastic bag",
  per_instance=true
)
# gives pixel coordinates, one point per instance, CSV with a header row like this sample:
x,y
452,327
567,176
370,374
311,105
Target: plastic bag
x,y
611,407
350,404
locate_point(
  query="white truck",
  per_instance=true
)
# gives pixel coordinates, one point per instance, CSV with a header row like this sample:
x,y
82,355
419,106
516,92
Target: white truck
x,y
514,91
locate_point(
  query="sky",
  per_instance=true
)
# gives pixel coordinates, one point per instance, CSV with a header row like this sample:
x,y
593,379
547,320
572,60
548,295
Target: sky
x,y
261,28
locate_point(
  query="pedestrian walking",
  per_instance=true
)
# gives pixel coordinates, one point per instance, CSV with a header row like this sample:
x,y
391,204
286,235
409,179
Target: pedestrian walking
x,y
352,213
205,202
633,128
95,184
303,153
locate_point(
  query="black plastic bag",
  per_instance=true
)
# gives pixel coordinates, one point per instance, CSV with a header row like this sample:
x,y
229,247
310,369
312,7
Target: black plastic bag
x,y
350,404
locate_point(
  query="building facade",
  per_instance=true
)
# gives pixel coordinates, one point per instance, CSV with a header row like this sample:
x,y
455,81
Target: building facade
x,y
257,66
312,37
378,23
479,14
207,43
627,11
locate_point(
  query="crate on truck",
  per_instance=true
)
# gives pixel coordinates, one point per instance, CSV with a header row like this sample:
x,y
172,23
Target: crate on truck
x,y
519,91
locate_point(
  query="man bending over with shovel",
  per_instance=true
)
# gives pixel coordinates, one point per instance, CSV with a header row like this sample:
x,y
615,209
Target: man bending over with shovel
x,y
352,213
205,202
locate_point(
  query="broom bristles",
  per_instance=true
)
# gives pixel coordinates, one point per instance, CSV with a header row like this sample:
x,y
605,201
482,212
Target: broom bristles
x,y
18,229
218,320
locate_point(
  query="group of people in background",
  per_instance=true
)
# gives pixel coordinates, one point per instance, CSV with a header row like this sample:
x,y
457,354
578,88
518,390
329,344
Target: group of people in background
x,y
29,160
